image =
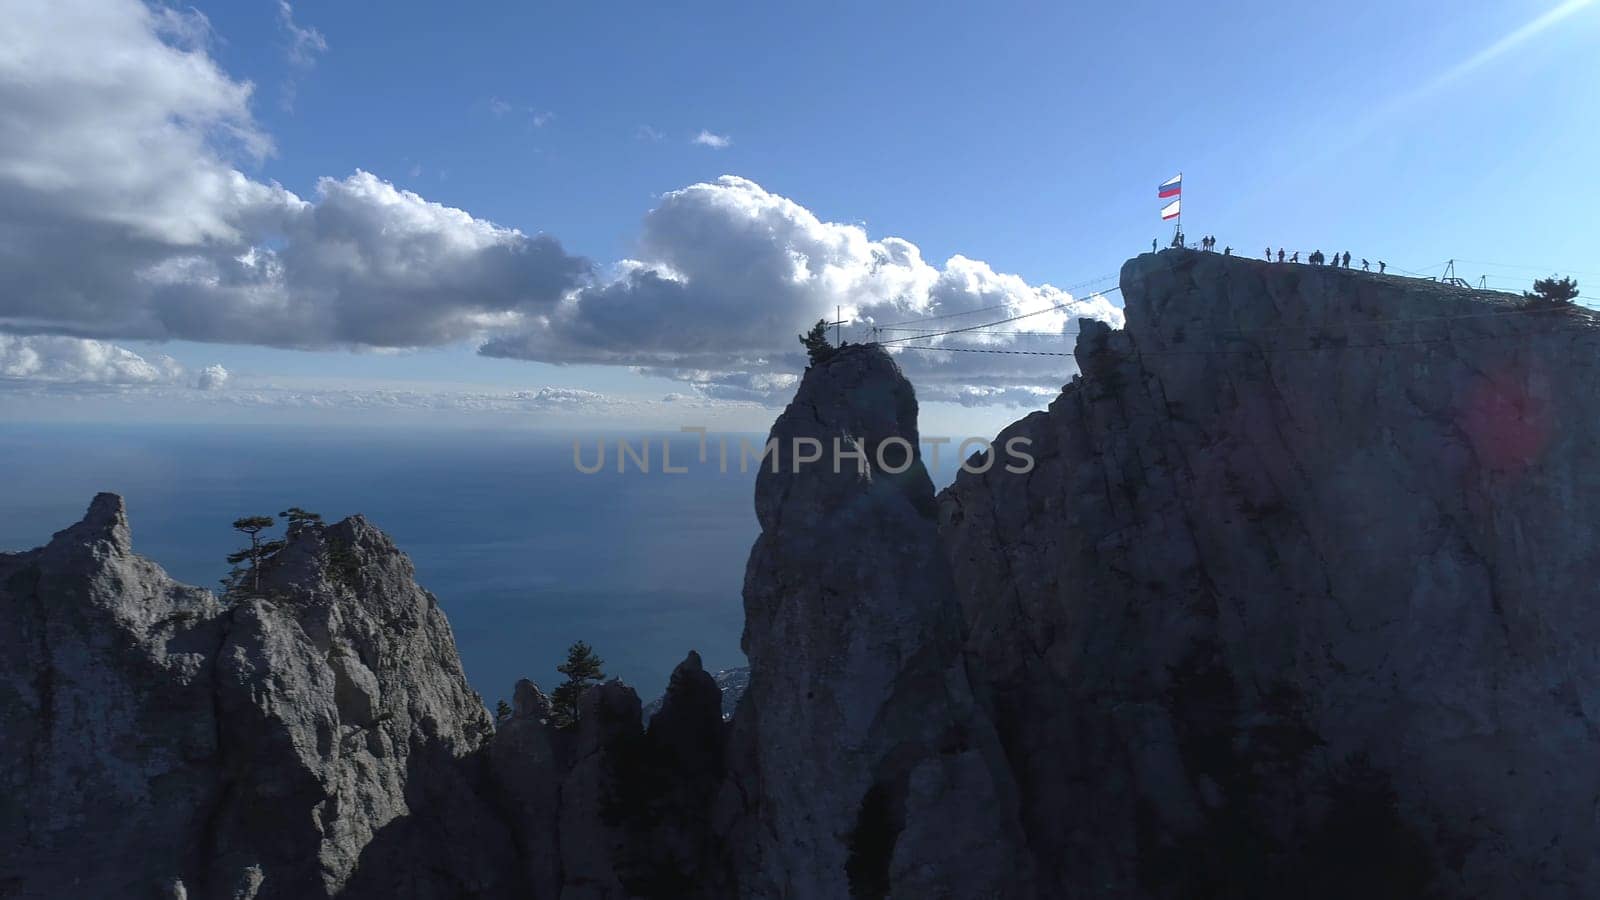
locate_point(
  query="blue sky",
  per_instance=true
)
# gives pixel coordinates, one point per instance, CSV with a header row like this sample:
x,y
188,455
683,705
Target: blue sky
x,y
1026,136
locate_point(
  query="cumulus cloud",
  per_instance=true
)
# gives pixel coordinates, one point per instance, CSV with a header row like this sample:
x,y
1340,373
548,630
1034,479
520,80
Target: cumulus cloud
x,y
212,378
122,214
714,141
729,273
754,387
65,360
125,215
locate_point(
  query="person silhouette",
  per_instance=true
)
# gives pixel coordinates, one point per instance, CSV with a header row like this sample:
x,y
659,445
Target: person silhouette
x,y
1268,255
1227,251
1295,258
1152,245
1381,266
1364,266
1347,259
1280,254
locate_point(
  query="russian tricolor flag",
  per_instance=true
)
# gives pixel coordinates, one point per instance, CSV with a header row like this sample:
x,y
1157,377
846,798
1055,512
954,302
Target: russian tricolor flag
x,y
1172,187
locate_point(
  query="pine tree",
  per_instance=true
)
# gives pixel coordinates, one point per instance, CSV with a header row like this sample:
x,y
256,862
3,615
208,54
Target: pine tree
x,y
1552,291
253,526
502,710
582,669
816,343
299,518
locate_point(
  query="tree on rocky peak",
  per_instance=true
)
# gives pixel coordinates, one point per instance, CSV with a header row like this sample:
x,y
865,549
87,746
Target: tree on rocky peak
x,y
299,518
818,349
1552,291
252,526
502,710
583,671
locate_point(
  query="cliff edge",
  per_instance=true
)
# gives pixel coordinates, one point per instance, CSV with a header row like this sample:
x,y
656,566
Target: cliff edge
x,y
1298,592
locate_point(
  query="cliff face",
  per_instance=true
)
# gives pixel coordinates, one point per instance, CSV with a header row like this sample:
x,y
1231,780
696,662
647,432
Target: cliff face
x,y
1298,591
316,738
106,703
1293,602
866,764
155,744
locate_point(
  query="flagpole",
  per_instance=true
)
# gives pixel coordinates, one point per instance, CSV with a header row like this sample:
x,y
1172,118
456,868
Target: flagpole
x,y
1178,225
1176,184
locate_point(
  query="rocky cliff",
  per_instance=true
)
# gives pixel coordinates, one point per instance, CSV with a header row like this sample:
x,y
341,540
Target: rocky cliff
x,y
307,741
1297,599
1291,602
315,737
868,767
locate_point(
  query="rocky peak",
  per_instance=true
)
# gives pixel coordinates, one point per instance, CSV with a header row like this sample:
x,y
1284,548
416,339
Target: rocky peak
x,y
857,401
730,682
103,529
287,745
859,718
528,702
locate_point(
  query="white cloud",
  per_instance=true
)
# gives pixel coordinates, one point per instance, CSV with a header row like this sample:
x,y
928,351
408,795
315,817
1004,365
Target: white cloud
x,y
212,378
543,400
714,141
127,217
498,107
65,360
541,119
258,399
753,387
305,45
730,273
648,134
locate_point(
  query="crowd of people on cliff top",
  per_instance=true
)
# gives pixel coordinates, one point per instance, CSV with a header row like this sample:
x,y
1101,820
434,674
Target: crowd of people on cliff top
x,y
1208,244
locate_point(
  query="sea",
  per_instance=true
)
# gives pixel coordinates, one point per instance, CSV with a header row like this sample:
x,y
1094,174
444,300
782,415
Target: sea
x,y
525,552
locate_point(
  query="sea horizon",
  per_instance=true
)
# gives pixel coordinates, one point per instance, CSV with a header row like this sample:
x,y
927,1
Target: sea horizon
x,y
525,553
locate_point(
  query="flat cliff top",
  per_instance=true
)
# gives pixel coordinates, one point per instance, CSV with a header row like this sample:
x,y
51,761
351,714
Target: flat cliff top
x,y
1191,302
